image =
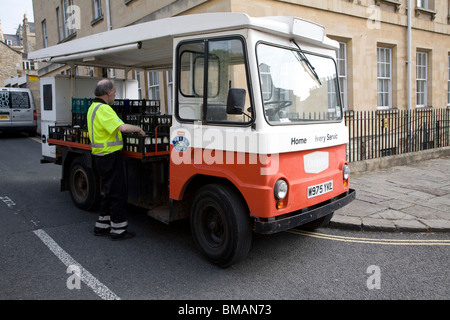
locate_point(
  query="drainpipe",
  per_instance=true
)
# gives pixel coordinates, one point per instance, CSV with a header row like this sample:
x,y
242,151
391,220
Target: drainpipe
x,y
108,15
409,74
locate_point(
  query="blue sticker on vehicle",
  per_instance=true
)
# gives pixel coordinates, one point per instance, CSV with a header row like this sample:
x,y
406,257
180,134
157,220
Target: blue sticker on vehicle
x,y
180,143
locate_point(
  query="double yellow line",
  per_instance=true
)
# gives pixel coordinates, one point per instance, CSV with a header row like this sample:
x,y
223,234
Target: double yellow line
x,y
392,242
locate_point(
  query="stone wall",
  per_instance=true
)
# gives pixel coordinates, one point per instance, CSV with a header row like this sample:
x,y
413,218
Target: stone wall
x,y
10,62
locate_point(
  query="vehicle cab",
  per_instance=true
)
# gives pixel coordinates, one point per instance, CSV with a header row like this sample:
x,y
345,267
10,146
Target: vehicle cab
x,y
260,108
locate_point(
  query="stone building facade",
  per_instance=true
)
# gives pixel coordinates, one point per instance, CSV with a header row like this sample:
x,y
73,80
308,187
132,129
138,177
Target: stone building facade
x,y
373,36
14,51
10,62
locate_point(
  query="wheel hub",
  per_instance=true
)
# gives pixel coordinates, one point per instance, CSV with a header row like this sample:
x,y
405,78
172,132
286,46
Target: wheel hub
x,y
214,228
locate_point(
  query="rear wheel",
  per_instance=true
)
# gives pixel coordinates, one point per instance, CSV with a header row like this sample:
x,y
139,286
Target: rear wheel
x,y
84,186
220,225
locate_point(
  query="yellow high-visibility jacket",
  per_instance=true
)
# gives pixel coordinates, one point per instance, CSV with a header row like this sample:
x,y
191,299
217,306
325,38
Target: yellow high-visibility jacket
x,y
103,126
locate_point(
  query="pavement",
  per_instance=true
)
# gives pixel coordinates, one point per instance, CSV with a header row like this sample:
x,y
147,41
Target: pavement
x,y
410,198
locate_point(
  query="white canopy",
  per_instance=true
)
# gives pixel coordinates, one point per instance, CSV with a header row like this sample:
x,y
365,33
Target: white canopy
x,y
149,45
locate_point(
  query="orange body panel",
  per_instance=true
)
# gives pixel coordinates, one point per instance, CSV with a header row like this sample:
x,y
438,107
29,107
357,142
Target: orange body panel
x,y
244,171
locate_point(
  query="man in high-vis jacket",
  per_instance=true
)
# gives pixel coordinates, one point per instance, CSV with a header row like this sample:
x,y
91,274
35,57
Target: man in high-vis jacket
x,y
105,131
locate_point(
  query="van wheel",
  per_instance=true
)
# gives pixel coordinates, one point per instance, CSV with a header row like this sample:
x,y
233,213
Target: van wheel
x,y
84,186
220,225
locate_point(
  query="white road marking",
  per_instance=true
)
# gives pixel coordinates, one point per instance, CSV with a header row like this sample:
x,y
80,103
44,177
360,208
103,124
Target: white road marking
x,y
99,288
7,200
36,139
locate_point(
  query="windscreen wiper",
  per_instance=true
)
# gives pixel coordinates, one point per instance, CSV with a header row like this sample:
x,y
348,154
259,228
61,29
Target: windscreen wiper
x,y
306,60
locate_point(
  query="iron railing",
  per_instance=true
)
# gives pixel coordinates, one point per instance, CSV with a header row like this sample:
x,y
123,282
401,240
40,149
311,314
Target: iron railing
x,y
374,134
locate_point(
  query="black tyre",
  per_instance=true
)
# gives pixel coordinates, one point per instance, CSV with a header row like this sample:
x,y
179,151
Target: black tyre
x,y
220,225
84,186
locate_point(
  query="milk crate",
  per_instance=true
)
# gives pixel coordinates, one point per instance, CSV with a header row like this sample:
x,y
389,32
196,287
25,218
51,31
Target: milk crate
x,y
152,107
57,132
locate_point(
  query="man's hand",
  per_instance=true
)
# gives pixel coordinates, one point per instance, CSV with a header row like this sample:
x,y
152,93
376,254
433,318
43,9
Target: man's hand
x,y
128,128
141,132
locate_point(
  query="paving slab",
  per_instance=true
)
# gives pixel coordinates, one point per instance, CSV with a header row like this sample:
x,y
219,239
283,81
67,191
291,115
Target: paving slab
x,y
410,198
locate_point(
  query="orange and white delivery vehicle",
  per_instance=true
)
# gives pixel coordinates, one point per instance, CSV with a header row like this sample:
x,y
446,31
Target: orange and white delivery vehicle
x,y
255,141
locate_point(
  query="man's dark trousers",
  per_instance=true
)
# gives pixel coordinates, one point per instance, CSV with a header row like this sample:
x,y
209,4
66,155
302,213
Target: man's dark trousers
x,y
113,205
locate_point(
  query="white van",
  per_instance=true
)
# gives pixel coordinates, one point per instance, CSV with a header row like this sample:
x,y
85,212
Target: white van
x,y
17,110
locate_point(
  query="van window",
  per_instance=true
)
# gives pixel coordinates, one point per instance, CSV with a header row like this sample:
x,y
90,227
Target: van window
x,y
20,100
48,97
4,99
207,69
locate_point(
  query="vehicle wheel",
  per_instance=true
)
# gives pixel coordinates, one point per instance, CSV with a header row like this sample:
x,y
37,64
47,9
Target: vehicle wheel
x,y
84,186
220,225
313,225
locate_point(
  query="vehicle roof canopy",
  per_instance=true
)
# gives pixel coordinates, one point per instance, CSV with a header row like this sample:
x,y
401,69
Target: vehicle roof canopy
x,y
149,45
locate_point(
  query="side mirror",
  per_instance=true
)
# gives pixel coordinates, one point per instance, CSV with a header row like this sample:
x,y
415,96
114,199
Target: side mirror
x,y
236,101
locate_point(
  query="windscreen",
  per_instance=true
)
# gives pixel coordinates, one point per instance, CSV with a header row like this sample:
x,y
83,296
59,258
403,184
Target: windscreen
x,y
297,87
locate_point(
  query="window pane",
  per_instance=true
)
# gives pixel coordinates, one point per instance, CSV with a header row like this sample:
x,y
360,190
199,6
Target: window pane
x,y
341,59
224,64
448,79
298,96
384,76
188,76
4,99
421,92
342,70
226,70
20,100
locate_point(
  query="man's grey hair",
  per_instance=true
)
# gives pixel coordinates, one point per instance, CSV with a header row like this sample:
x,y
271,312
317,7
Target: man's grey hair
x,y
103,87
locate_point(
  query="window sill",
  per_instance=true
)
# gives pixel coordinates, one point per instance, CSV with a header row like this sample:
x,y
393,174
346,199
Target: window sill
x,y
69,37
424,11
386,110
383,108
96,20
424,108
394,3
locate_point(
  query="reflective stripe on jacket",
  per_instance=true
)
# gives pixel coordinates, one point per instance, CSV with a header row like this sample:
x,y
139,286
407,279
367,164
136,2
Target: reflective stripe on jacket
x,y
103,127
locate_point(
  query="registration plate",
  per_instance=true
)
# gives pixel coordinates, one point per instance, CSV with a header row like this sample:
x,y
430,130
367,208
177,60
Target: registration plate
x,y
4,116
320,189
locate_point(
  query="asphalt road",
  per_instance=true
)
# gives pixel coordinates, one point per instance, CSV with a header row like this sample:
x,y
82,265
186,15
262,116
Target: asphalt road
x,y
48,251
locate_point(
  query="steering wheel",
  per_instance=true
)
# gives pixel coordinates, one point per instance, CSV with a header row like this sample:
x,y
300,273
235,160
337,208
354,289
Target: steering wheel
x,y
281,104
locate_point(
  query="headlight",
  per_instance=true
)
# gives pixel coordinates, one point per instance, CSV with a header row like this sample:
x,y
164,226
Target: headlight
x,y
281,189
346,172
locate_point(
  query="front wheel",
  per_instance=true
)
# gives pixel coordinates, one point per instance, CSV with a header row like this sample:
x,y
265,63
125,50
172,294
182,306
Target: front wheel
x,y
220,225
